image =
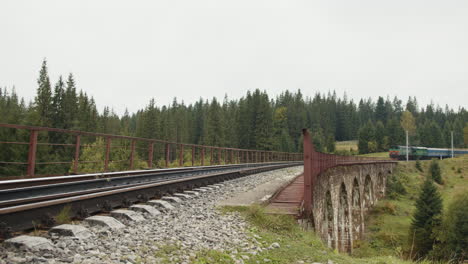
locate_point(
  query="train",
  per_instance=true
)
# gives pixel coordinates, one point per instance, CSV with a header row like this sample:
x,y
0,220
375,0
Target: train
x,y
421,153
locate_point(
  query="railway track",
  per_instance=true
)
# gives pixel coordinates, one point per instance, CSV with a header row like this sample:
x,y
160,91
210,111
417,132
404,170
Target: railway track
x,y
34,203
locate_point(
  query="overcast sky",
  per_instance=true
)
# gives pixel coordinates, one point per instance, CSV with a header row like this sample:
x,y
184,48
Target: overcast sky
x,y
125,52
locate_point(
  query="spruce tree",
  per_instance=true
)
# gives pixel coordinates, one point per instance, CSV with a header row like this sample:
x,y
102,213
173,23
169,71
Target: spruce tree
x,y
70,105
381,111
380,137
43,99
58,111
426,219
366,135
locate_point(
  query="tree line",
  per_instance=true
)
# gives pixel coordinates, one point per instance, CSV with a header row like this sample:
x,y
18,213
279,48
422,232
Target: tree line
x,y
255,121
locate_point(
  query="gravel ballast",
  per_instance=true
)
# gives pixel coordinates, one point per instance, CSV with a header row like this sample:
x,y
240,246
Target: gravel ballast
x,y
174,236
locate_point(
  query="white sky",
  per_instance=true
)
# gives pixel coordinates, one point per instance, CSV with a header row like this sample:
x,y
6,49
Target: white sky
x,y
125,52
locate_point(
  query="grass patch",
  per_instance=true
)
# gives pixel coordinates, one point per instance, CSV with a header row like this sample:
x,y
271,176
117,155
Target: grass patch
x,y
165,252
350,145
382,155
64,216
212,256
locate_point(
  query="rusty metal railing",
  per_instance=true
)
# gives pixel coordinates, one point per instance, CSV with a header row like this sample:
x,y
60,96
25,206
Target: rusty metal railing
x,y
316,162
166,151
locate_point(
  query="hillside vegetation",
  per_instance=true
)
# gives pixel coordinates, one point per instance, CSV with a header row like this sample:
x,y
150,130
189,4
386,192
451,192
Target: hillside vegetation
x,y
387,238
388,225
295,244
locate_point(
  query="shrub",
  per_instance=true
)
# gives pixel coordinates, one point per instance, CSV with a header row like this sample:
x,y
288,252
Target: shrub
x,y
435,172
395,187
454,231
418,166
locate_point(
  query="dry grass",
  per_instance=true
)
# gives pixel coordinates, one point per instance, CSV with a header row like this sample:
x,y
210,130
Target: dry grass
x,y
350,145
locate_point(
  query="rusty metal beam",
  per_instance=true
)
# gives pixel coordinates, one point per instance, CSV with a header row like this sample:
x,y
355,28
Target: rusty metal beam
x,y
150,154
107,156
77,154
132,154
32,152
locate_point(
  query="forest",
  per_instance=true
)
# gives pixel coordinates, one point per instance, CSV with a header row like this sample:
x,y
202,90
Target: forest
x,y
255,121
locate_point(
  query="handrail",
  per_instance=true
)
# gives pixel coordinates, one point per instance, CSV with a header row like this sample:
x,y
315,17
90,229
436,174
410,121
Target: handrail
x,y
231,155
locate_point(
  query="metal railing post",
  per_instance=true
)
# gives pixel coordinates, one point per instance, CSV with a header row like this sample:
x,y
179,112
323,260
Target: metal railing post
x,y
307,173
193,156
77,154
181,155
211,159
32,153
168,150
202,163
150,155
132,154
107,157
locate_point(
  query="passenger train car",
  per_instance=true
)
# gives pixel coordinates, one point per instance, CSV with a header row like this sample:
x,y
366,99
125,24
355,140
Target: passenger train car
x,y
399,152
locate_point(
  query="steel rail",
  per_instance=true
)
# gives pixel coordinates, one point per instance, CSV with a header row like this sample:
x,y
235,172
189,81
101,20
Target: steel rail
x,y
28,182
42,214
8,195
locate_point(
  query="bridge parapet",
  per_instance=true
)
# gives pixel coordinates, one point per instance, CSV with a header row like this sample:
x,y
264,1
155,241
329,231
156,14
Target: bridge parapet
x,y
338,191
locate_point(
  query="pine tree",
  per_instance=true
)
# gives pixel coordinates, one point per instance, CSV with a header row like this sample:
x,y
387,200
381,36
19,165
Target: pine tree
x,y
380,137
366,138
396,134
70,104
381,111
43,99
58,111
426,219
263,121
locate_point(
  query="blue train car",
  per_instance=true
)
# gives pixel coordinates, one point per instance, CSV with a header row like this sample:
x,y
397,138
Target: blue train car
x,y
399,152
439,153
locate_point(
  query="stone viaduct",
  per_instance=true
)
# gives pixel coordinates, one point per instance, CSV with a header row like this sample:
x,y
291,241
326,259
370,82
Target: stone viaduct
x,y
342,196
338,192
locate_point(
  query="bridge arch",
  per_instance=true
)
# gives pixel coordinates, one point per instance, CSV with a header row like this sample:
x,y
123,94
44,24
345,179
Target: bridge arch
x,y
344,239
356,210
368,193
381,184
328,222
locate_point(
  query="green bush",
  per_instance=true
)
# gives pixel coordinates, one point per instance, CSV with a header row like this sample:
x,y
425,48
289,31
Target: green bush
x,y
435,172
395,186
418,166
454,232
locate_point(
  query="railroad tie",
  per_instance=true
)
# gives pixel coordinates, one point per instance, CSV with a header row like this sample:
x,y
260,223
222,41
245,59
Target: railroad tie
x,y
104,221
162,205
145,209
74,231
125,215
